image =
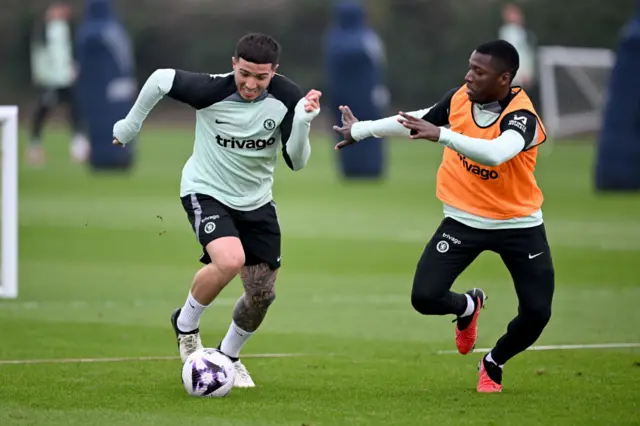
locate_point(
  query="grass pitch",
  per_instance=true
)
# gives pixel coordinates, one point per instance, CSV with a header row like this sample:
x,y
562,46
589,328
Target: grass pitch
x,y
104,259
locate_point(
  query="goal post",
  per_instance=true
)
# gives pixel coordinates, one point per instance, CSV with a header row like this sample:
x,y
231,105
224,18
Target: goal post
x,y
9,227
573,85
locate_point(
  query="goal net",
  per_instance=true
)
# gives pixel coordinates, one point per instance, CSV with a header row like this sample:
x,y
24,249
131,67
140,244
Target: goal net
x,y
9,225
573,84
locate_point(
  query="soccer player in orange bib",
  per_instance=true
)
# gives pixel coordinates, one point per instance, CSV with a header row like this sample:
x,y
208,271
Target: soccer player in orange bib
x,y
491,201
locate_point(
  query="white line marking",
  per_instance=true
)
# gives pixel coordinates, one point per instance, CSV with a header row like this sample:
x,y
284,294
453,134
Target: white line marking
x,y
124,359
559,347
291,355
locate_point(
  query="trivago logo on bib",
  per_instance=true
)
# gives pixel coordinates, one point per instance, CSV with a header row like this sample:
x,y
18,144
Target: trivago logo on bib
x,y
484,174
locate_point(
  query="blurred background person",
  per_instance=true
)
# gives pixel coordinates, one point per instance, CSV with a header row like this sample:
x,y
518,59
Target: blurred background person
x,y
107,87
515,32
54,73
355,62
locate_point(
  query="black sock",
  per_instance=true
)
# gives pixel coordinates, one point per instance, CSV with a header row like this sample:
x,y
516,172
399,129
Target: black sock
x,y
493,370
463,322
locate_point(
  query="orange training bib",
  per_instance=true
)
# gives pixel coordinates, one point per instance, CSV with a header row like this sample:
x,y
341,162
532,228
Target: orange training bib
x,y
503,192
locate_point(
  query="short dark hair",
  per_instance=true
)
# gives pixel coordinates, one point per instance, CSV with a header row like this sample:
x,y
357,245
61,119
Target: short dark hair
x,y
504,54
258,49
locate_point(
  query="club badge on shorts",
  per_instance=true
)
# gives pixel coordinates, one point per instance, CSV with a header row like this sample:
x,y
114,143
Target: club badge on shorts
x,y
209,227
442,246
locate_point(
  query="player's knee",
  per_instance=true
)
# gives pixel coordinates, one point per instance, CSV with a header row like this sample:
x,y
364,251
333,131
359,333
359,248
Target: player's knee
x,y
230,263
423,302
227,254
542,315
426,296
537,315
269,297
417,301
259,285
262,298
537,307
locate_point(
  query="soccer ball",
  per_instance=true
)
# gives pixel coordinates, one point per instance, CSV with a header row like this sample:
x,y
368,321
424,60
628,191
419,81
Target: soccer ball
x,y
209,373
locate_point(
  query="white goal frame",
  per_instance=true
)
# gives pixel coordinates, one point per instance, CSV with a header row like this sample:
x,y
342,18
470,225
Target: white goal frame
x,y
9,242
550,57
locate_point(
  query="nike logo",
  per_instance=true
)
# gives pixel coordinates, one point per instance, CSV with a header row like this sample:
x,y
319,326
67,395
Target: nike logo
x,y
191,304
222,122
532,256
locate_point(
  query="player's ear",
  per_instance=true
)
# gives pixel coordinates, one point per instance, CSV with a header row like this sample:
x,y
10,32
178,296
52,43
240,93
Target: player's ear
x,y
274,68
234,62
505,79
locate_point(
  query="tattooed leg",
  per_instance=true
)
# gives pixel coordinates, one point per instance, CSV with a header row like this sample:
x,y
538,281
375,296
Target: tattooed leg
x,y
259,294
251,308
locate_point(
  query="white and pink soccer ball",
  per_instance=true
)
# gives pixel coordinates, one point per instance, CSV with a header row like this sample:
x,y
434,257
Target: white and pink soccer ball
x,y
208,373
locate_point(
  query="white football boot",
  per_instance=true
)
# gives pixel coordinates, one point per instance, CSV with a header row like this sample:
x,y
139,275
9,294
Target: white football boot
x,y
189,342
243,378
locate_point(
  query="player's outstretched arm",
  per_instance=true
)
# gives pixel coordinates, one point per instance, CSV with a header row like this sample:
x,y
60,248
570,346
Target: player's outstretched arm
x,y
518,132
198,90
155,88
484,151
353,130
297,147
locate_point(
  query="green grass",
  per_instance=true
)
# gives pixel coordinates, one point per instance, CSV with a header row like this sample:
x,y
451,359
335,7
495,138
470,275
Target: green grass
x,y
104,259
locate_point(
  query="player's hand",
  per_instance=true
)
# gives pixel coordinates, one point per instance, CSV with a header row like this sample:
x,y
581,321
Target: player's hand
x,y
348,120
124,131
422,129
313,100
308,107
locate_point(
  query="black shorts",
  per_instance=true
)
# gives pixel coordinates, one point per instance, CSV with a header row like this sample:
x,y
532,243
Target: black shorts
x,y
258,230
454,246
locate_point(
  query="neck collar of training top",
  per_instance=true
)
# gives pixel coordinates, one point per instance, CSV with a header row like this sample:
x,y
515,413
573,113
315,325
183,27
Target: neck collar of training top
x,y
499,106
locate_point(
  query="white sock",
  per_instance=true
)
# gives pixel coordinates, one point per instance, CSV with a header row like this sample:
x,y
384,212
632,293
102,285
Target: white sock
x,y
234,340
490,359
471,307
189,318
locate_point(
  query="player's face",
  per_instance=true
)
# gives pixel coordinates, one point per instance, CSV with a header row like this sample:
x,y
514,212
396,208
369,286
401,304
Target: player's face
x,y
252,79
484,82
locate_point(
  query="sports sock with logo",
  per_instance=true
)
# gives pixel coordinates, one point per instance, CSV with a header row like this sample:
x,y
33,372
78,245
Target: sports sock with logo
x,y
189,318
234,340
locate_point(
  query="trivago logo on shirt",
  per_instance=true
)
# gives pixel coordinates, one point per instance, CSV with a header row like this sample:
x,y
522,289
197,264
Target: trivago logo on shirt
x,y
257,144
484,174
